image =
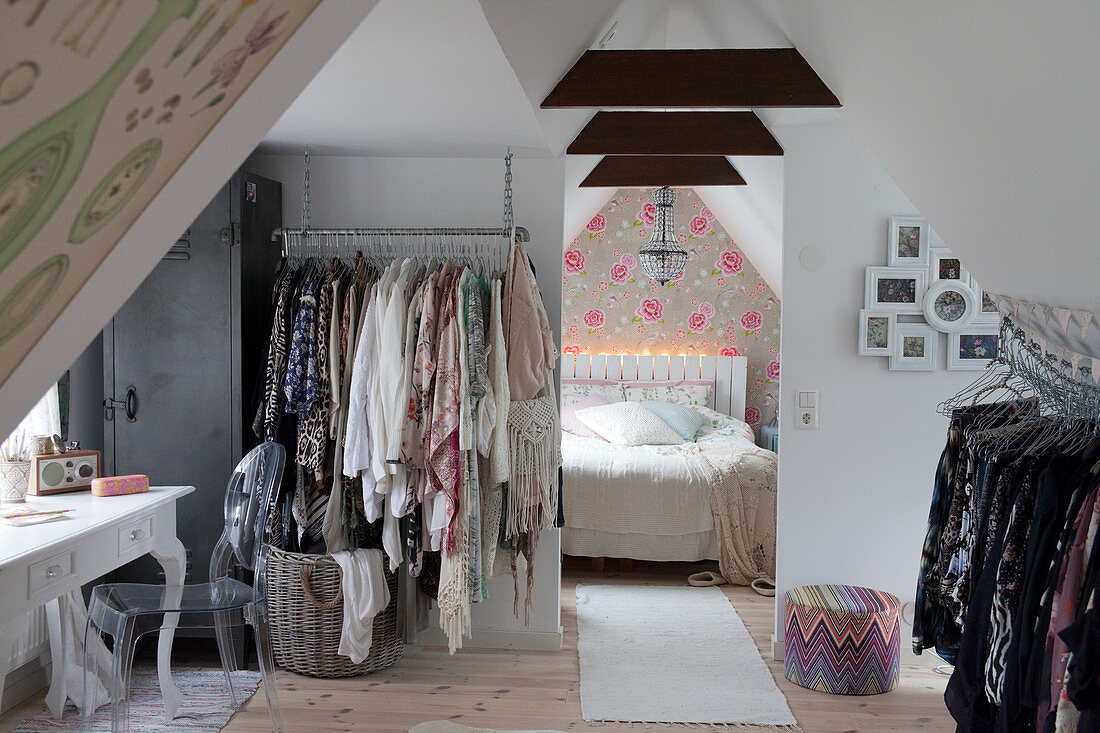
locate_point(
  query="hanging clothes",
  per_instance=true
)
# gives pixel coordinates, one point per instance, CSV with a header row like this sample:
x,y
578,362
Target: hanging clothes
x,y
405,431
1007,571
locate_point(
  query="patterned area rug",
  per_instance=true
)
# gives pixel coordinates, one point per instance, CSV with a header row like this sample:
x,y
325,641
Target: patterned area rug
x,y
204,706
672,655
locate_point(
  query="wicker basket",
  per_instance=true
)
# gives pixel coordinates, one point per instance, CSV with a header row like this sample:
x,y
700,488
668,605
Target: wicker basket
x,y
306,610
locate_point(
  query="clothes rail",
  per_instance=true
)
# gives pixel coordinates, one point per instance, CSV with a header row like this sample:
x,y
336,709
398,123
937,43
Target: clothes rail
x,y
280,234
380,244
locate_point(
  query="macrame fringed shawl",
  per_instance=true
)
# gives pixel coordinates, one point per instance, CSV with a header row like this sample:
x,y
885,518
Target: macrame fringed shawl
x,y
534,441
743,501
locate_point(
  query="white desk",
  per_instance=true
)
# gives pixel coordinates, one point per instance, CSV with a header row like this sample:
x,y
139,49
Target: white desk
x,y
41,563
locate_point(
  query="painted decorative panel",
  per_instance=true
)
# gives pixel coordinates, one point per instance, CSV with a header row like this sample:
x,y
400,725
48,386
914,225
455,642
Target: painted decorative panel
x,y
101,101
719,305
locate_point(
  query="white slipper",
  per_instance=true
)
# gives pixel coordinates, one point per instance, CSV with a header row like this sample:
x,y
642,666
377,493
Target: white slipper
x,y
764,586
705,578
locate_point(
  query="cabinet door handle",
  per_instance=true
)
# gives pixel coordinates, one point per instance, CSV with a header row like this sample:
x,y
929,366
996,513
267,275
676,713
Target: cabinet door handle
x,y
137,535
53,571
131,404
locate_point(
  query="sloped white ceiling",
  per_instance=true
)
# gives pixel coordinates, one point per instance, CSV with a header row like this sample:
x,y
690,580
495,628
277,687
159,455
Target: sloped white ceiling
x,y
985,114
541,40
417,79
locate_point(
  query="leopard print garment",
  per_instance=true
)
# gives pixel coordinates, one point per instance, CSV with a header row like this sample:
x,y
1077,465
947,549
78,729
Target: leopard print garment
x,y
266,423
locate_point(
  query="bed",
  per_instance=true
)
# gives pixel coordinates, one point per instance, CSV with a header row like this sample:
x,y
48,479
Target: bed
x,y
649,502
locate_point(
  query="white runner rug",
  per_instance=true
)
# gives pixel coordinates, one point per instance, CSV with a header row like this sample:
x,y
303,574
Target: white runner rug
x,y
652,654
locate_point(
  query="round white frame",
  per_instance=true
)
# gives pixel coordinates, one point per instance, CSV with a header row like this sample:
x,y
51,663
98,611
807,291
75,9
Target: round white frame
x,y
939,288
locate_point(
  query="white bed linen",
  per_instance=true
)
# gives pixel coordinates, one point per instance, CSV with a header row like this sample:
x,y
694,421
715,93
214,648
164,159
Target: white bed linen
x,y
645,502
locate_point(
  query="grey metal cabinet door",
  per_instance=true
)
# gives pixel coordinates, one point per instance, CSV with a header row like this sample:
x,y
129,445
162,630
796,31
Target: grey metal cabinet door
x,y
171,348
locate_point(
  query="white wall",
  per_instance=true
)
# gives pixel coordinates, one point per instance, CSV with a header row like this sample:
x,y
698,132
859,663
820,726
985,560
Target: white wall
x,y
984,112
854,494
362,191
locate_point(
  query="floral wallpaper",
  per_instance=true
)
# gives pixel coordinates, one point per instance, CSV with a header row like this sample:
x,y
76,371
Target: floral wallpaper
x,y
719,305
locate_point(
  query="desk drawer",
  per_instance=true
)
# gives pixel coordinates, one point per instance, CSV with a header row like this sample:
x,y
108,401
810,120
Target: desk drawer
x,y
52,570
134,534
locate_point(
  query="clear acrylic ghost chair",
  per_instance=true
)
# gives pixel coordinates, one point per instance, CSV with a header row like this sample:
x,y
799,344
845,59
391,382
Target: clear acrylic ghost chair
x,y
127,611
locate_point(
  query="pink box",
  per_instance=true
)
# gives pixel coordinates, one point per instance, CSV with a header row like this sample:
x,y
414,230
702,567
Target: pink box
x,y
119,485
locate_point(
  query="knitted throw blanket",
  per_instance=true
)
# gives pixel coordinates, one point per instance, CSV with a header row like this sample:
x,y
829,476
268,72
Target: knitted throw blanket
x,y
743,501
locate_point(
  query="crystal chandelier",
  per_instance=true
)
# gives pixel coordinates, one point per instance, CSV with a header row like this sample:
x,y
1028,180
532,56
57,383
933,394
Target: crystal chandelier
x,y
663,258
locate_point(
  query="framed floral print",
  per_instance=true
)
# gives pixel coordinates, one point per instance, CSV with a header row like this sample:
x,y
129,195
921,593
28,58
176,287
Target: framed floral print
x,y
950,306
972,348
943,265
909,237
877,332
899,289
918,348
987,313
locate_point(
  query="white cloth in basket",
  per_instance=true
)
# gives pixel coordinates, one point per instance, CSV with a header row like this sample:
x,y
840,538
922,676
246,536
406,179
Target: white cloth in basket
x,y
365,595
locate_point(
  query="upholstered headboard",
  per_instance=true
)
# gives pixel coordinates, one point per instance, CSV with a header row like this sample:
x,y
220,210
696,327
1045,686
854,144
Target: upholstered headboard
x,y
726,372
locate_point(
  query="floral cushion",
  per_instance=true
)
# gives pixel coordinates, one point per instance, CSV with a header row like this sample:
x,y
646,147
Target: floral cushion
x,y
575,390
723,427
682,392
628,423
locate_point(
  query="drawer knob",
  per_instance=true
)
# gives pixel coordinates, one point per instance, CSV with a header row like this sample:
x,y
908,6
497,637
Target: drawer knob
x,y
53,571
137,535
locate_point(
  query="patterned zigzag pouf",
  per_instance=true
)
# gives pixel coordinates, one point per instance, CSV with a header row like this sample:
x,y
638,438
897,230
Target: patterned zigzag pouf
x,y
842,639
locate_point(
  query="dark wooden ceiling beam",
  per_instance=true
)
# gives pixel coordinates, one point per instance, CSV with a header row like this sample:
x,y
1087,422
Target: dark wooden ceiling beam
x,y
622,171
675,133
716,77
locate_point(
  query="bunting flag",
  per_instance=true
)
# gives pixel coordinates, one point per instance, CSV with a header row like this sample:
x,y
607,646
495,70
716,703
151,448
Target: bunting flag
x,y
1027,336
1048,310
1075,361
1043,346
1063,318
1015,306
1086,319
1096,370
1060,353
1029,308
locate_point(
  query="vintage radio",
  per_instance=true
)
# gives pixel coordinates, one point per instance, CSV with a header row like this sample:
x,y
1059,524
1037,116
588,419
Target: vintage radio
x,y
56,473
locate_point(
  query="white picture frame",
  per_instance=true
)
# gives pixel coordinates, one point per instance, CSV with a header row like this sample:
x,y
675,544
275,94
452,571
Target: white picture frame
x,y
961,345
944,265
927,359
950,306
884,291
987,313
877,332
908,241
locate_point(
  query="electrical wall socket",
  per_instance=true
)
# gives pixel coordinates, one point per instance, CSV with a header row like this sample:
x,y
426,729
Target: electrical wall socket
x,y
805,409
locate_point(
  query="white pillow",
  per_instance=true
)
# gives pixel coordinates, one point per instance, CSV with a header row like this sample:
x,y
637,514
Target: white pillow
x,y
574,390
682,392
628,423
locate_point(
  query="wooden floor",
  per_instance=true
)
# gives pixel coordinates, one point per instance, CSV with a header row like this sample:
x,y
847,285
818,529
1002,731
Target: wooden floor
x,y
516,690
